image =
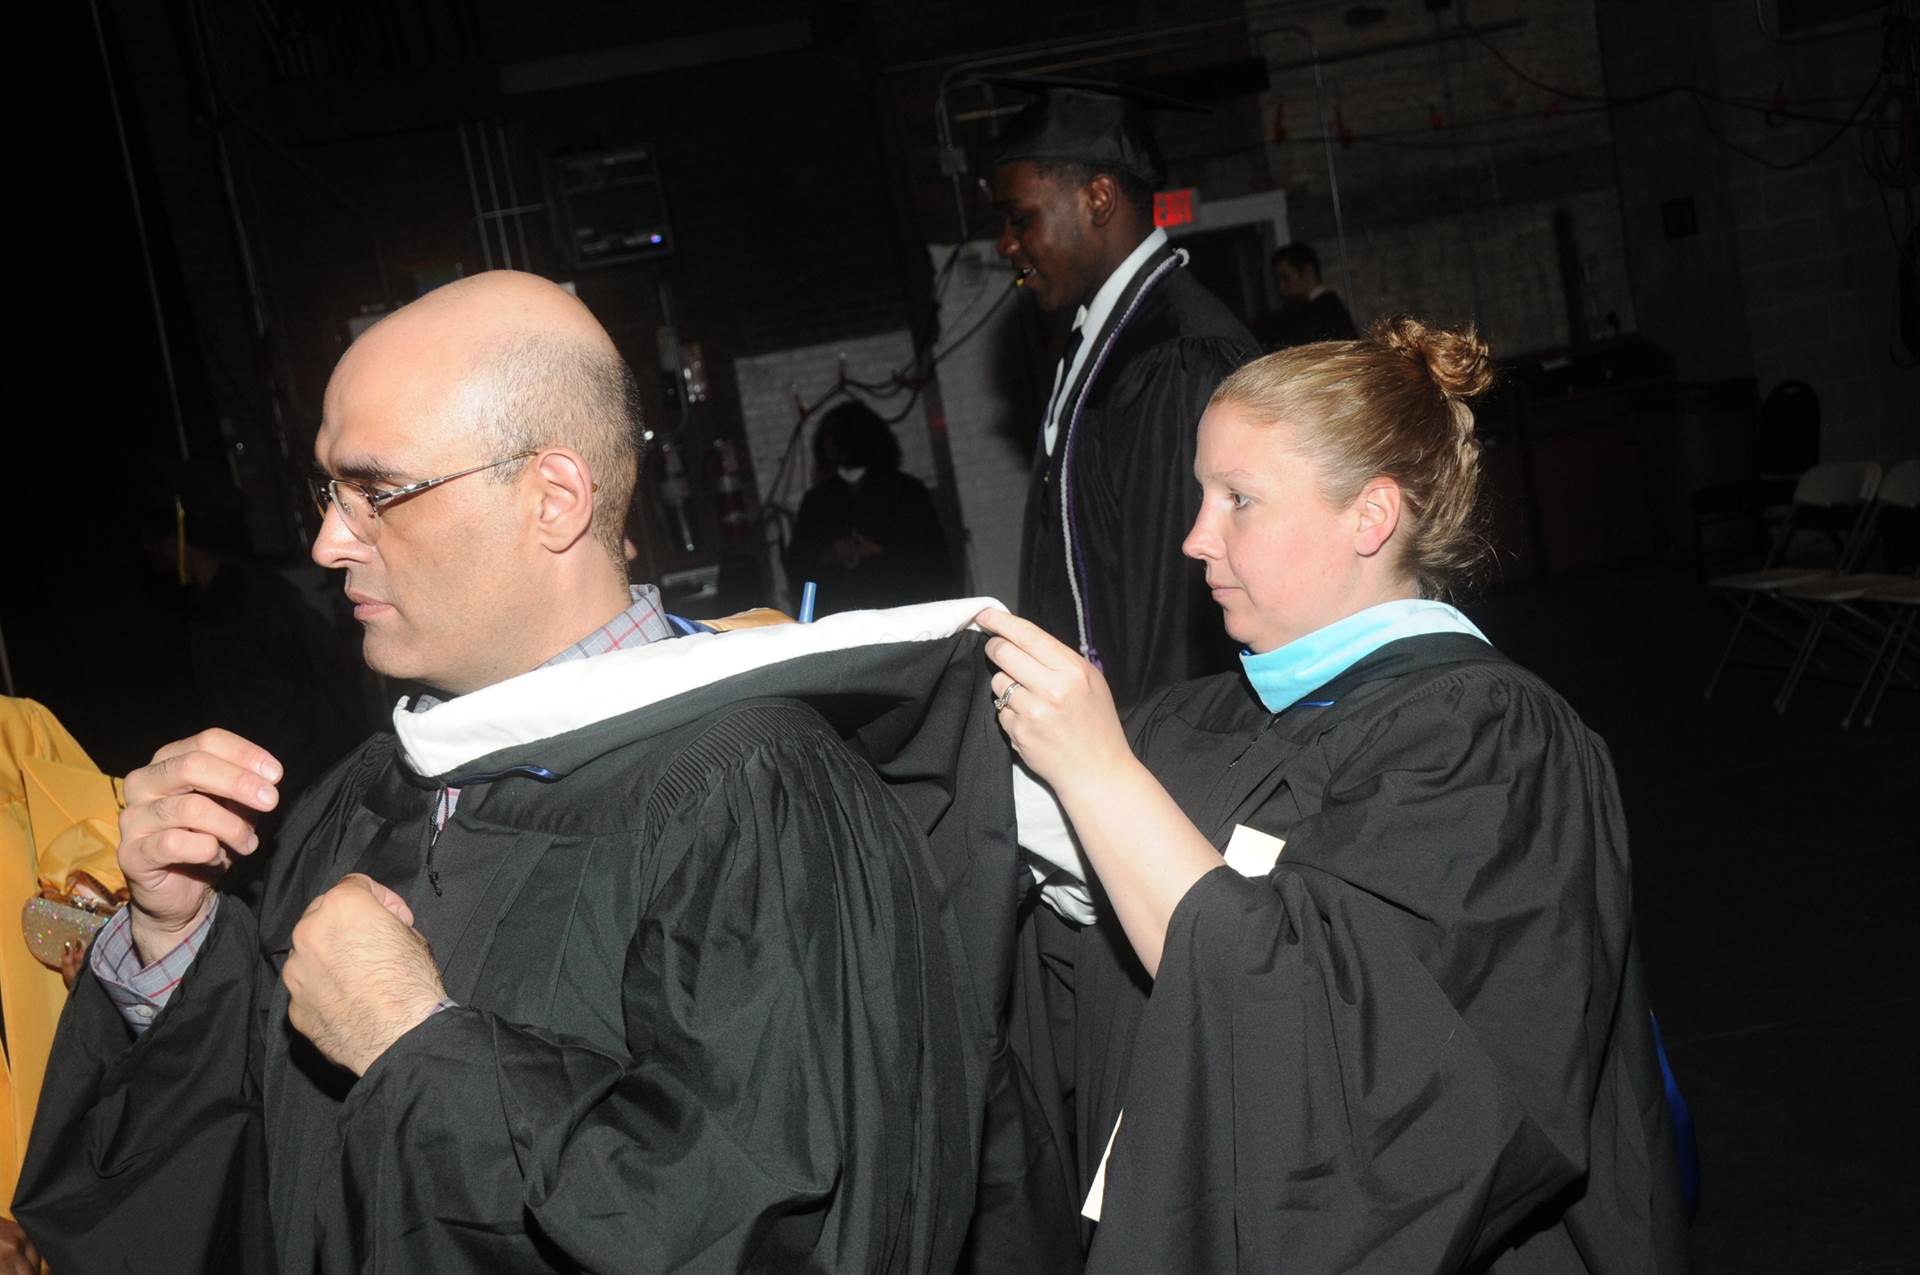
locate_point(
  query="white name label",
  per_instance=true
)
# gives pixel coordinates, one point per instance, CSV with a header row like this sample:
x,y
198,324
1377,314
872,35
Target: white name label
x,y
1251,852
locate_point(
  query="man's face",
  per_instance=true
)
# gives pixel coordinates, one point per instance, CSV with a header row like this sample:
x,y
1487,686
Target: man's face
x,y
1046,235
440,592
1294,282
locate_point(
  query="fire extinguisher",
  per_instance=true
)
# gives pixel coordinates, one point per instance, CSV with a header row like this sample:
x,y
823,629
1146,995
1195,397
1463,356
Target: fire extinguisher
x,y
729,490
675,496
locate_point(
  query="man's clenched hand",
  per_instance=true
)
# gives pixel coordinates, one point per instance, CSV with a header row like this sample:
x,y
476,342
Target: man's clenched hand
x,y
360,975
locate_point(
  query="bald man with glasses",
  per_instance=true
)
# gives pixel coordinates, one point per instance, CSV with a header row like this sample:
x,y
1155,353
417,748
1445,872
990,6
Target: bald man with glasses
x,y
596,961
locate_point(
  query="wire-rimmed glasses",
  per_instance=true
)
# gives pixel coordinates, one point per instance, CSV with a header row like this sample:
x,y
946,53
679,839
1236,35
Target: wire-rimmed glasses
x,y
360,505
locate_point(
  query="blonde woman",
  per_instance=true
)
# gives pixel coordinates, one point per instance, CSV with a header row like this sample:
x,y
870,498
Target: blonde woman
x,y
1377,881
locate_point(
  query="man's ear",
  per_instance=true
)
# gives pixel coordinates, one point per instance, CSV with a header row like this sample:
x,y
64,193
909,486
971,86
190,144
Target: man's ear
x,y
1102,198
563,492
1376,515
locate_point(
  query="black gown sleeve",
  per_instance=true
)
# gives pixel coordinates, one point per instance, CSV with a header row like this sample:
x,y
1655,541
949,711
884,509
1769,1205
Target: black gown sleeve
x,y
1401,1050
150,1153
784,1101
1156,623
147,1153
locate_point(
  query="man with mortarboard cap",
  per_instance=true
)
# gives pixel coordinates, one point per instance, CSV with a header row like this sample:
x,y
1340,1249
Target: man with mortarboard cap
x,y
1112,492
1111,498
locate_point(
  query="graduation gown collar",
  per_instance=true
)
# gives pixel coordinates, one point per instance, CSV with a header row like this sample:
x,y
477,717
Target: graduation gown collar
x,y
1157,266
538,723
1285,675
1108,313
1093,316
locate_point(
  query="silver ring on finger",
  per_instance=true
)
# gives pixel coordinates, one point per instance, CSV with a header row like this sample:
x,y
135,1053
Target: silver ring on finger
x,y
1001,700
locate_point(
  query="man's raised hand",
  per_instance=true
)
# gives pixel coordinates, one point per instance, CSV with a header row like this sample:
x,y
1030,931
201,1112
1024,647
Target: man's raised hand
x,y
183,824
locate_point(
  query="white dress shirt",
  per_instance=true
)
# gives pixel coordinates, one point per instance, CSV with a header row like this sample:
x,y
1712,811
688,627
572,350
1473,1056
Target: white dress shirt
x,y
1090,320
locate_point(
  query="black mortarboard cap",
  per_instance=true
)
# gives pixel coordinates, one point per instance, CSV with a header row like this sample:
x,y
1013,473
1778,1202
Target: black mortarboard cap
x,y
1089,122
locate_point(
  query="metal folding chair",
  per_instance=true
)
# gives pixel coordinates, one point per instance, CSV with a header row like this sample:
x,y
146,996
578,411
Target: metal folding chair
x,y
1833,600
1903,604
1833,498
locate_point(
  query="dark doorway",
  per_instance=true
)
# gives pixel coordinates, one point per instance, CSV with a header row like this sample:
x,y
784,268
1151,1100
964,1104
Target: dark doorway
x,y
1232,262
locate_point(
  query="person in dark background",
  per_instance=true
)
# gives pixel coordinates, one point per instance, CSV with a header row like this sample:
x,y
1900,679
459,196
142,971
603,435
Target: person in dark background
x,y
1309,310
265,663
866,534
682,1042
1112,492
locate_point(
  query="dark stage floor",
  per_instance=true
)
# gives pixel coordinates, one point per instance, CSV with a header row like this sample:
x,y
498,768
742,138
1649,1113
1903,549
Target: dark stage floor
x,y
1776,863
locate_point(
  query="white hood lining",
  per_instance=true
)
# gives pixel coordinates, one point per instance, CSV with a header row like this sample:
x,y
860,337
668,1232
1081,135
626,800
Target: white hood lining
x,y
560,698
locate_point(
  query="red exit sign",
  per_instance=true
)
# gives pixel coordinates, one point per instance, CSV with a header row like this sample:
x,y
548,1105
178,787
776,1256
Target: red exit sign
x,y
1176,207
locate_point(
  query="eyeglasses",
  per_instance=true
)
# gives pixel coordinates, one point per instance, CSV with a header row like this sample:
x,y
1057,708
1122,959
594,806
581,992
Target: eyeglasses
x,y
360,506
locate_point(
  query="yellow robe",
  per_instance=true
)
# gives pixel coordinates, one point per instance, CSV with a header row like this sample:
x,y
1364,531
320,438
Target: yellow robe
x,y
57,813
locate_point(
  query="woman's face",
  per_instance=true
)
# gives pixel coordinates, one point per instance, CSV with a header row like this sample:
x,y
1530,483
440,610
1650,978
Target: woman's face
x,y
1280,560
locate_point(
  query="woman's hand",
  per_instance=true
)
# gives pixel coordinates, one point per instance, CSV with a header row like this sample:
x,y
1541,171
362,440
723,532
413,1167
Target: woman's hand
x,y
1054,706
1061,719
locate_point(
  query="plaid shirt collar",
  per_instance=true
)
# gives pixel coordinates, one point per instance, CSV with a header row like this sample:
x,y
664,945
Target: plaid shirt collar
x,y
644,621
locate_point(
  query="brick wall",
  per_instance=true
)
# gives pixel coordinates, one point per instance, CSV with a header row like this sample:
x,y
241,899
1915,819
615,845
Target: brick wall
x,y
1791,273
1818,260
1451,169
1689,289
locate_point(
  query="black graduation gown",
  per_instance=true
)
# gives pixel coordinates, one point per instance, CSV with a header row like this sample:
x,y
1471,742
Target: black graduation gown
x,y
721,1007
1421,1043
1127,431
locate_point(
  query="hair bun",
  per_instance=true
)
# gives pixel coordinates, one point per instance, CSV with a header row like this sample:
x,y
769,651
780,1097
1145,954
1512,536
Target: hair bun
x,y
1456,358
